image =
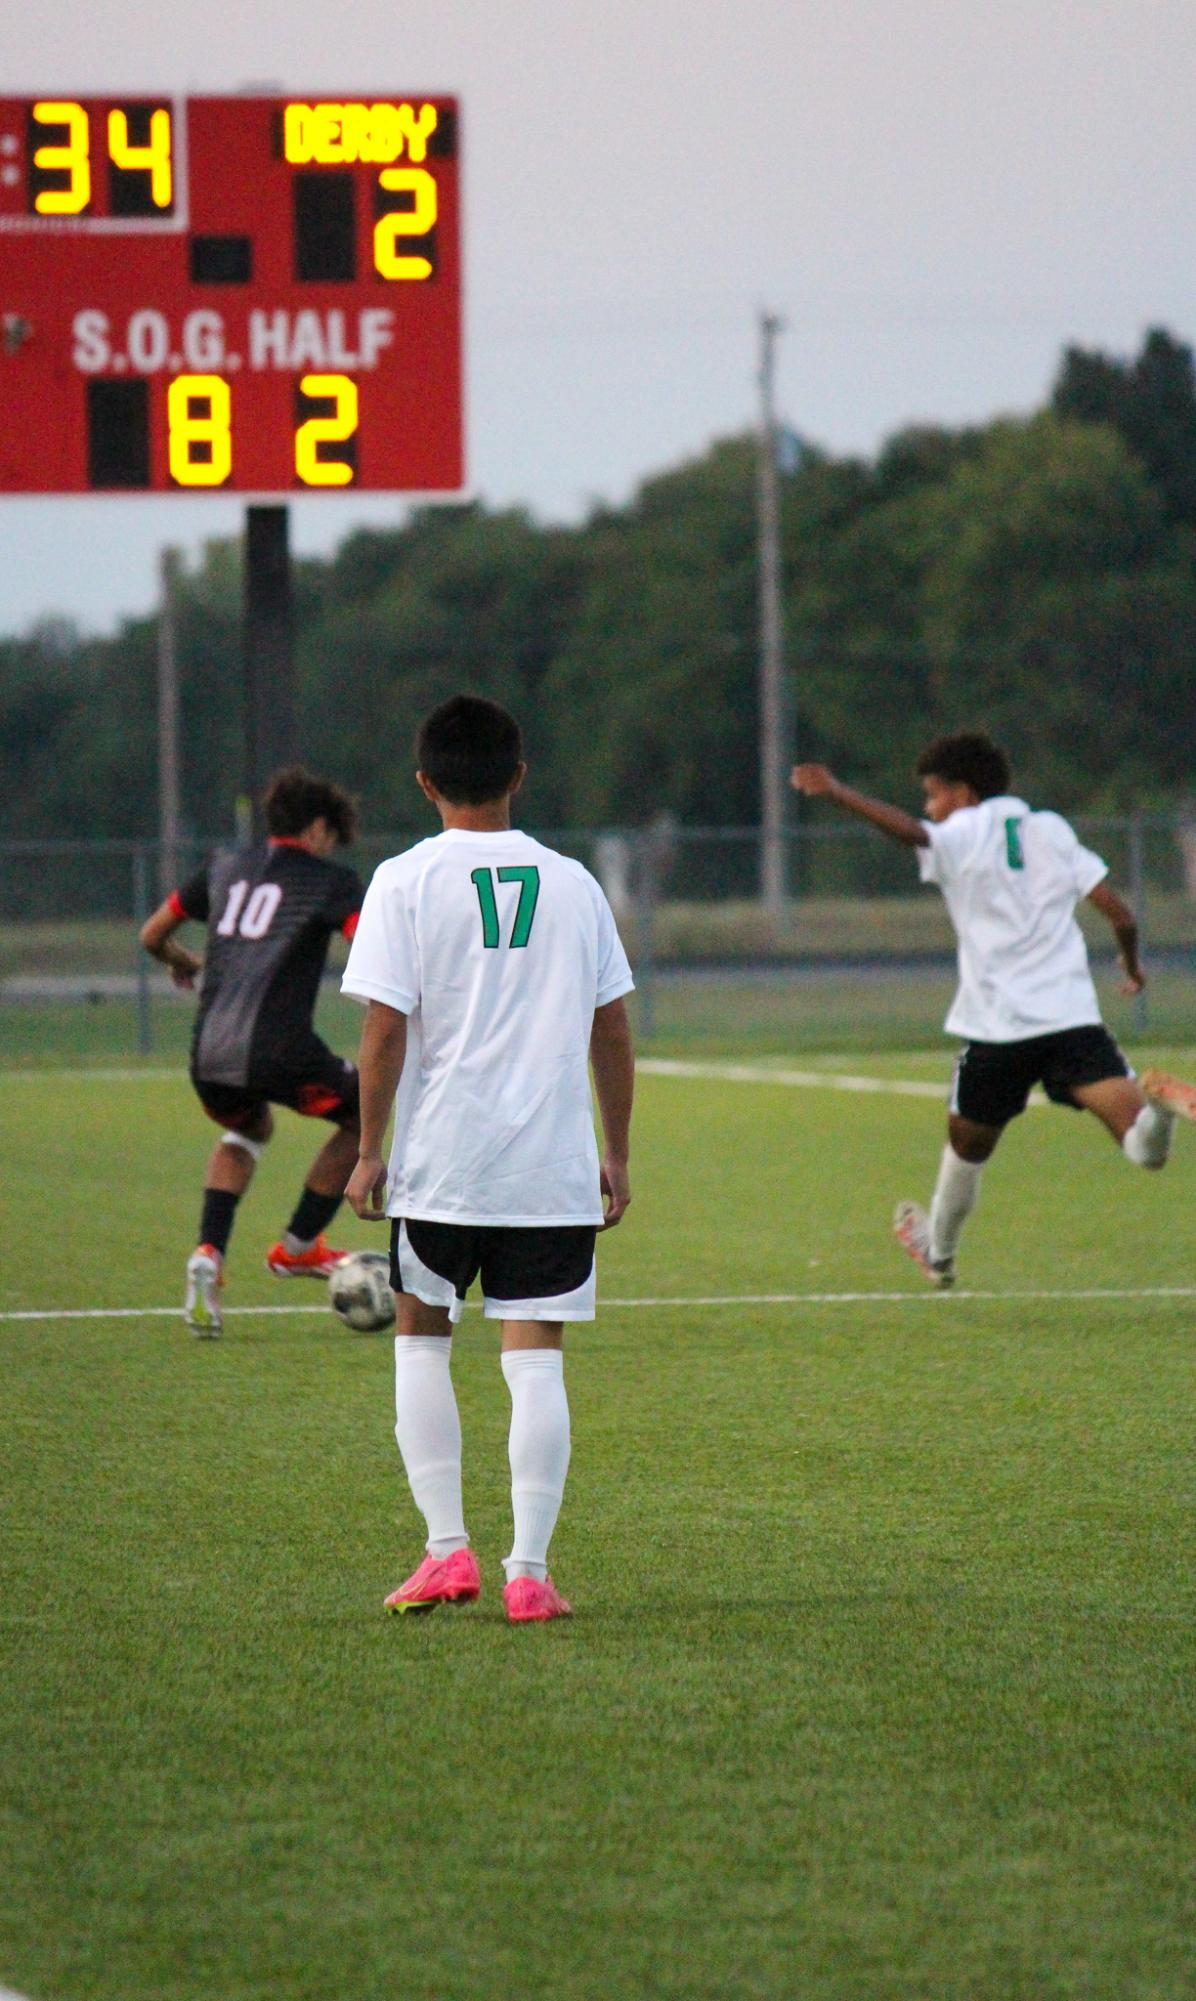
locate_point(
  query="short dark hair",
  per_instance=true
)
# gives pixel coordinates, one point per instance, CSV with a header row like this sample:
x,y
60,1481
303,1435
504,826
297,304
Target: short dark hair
x,y
968,758
295,797
469,749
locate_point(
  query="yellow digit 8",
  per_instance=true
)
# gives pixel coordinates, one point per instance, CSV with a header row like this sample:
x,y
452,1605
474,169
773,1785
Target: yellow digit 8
x,y
416,221
153,159
311,468
207,432
73,159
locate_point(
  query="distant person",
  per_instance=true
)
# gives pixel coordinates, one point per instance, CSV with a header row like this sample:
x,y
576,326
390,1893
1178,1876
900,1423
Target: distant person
x,y
271,909
492,970
1026,1006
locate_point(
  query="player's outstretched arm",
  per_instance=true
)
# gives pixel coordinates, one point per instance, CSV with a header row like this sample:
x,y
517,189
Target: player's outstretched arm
x,y
157,936
379,1067
612,1060
1125,930
817,782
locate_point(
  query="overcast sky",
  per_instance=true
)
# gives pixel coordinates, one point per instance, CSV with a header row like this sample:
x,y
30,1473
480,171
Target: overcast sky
x,y
937,195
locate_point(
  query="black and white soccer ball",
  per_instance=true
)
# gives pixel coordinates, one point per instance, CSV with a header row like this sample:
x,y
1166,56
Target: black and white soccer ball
x,y
359,1291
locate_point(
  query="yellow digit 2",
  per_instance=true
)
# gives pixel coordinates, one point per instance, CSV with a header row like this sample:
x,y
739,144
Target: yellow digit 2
x,y
72,159
340,424
199,414
415,221
153,159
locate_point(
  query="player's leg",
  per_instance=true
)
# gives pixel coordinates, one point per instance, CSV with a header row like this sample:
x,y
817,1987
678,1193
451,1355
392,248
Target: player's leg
x,y
427,1423
538,1447
1089,1071
327,1090
230,1170
534,1280
1142,1129
990,1085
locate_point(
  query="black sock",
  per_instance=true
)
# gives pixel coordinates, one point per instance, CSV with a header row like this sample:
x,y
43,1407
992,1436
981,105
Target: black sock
x,y
313,1214
216,1219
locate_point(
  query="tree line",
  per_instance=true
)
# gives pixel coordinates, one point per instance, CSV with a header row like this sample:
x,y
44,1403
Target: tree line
x,y
1035,576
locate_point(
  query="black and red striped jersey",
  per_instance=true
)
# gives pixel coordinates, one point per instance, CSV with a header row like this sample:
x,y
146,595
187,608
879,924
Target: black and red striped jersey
x,y
271,910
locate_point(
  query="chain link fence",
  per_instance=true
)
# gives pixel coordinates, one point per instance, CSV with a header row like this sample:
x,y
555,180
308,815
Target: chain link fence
x,y
856,944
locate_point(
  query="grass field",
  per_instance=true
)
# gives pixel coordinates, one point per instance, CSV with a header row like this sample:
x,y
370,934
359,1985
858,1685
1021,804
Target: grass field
x,y
880,1679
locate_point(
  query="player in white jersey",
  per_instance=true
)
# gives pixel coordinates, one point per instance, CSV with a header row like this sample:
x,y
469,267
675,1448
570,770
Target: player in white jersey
x,y
1025,1007
494,980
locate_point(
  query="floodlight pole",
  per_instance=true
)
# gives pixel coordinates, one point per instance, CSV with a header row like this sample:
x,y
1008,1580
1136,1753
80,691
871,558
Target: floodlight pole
x,y
169,816
268,651
771,683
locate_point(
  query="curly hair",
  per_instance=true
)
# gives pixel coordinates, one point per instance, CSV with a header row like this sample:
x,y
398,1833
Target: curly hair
x,y
968,758
295,797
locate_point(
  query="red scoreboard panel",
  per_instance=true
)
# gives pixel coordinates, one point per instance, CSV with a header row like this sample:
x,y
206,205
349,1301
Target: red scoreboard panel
x,y
230,294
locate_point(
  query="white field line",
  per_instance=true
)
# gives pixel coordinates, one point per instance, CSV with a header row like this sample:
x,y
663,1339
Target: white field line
x,y
825,1080
648,1066
669,1300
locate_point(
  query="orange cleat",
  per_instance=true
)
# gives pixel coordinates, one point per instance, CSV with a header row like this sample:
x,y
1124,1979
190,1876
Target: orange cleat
x,y
440,1580
317,1261
528,1598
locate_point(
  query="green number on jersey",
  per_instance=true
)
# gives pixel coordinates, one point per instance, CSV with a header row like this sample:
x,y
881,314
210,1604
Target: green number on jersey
x,y
1013,844
483,882
529,890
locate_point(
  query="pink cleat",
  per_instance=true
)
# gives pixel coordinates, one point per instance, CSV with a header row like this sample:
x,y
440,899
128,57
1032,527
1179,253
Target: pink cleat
x,y
911,1227
440,1580
1171,1093
534,1598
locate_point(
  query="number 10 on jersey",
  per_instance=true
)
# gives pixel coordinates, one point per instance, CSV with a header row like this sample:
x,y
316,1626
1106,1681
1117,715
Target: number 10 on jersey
x,y
529,890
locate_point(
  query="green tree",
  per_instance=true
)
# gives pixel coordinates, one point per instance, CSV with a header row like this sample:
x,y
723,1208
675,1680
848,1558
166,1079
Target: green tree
x,y
1151,401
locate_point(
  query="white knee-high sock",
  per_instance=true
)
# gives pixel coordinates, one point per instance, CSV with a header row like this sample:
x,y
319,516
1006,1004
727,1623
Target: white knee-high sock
x,y
428,1430
1148,1141
539,1452
953,1201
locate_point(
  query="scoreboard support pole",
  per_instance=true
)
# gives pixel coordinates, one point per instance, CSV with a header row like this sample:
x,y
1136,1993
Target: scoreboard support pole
x,y
270,728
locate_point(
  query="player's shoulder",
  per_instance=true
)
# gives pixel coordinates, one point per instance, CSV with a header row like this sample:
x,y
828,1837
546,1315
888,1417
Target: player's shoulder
x,y
568,868
962,830
407,864
1050,823
989,816
344,874
1001,807
231,859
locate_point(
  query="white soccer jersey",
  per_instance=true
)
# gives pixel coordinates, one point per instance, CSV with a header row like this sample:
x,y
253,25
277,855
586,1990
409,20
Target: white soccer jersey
x,y
497,950
1011,879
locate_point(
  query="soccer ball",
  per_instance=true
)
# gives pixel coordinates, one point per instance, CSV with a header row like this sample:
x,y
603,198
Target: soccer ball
x,y
359,1291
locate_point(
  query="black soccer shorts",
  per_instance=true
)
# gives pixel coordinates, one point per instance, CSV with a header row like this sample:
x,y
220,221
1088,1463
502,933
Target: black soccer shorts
x,y
993,1080
526,1274
322,1086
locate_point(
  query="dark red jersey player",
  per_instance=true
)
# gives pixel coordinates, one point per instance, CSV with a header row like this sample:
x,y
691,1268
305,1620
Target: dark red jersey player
x,y
270,910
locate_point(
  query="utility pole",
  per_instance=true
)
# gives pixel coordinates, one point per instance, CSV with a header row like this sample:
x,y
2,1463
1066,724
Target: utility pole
x,y
772,674
169,814
270,724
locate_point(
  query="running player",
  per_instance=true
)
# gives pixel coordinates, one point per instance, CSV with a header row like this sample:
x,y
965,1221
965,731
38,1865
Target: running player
x,y
491,967
271,910
1026,1006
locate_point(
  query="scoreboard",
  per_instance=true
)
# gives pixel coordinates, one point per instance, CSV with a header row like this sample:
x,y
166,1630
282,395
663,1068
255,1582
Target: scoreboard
x,y
256,295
